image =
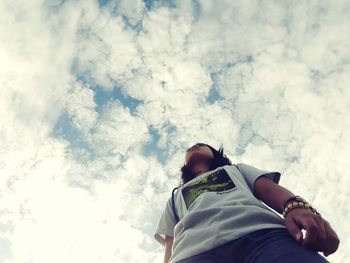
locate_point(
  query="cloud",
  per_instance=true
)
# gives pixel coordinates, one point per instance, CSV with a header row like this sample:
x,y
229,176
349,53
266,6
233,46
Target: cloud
x,y
99,100
81,108
118,131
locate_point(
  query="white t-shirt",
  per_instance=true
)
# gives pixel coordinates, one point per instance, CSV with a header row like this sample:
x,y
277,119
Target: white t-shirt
x,y
214,208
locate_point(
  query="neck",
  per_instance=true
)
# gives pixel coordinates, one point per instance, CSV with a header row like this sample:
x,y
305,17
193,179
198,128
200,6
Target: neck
x,y
200,168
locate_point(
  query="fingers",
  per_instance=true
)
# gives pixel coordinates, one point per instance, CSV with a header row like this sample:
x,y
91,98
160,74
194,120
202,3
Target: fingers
x,y
294,229
311,237
321,229
332,240
319,234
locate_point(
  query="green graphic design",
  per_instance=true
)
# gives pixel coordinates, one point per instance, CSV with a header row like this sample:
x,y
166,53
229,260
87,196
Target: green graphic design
x,y
218,181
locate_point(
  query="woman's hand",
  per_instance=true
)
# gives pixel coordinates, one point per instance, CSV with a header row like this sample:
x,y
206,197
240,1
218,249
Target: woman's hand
x,y
319,234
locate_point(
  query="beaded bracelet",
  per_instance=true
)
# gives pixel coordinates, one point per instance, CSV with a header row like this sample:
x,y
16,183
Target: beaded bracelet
x,y
303,204
294,198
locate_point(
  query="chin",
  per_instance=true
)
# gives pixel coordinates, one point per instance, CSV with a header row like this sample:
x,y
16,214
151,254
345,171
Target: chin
x,y
199,157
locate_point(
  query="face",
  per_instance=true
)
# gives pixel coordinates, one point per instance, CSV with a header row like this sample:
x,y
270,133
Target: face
x,y
198,152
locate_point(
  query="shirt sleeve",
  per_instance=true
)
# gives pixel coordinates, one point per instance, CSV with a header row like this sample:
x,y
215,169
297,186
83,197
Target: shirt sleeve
x,y
166,224
251,173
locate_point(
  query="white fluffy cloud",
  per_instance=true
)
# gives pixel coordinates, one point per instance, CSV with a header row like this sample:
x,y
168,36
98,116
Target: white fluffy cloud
x,y
118,131
266,80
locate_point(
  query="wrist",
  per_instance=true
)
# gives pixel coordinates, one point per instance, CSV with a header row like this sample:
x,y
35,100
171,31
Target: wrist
x,y
297,202
295,198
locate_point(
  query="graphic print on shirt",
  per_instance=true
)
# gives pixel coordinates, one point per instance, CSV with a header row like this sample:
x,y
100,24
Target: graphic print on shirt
x,y
218,181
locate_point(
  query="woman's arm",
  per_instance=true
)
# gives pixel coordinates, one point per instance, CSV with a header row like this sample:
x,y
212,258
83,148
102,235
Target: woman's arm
x,y
168,246
320,236
271,193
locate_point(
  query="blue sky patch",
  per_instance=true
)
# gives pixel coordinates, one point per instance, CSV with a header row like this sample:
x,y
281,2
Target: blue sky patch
x,y
102,97
151,148
196,6
64,129
152,4
102,3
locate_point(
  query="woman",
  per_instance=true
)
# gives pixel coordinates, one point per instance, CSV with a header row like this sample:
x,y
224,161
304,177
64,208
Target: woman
x,y
216,215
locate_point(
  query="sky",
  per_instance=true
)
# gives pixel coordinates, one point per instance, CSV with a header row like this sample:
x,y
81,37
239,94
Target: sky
x,y
100,99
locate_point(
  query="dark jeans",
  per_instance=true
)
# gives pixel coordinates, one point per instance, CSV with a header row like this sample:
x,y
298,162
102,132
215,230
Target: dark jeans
x,y
263,246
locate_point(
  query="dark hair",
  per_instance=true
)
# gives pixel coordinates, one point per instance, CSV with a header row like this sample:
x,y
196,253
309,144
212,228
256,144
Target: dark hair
x,y
219,160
